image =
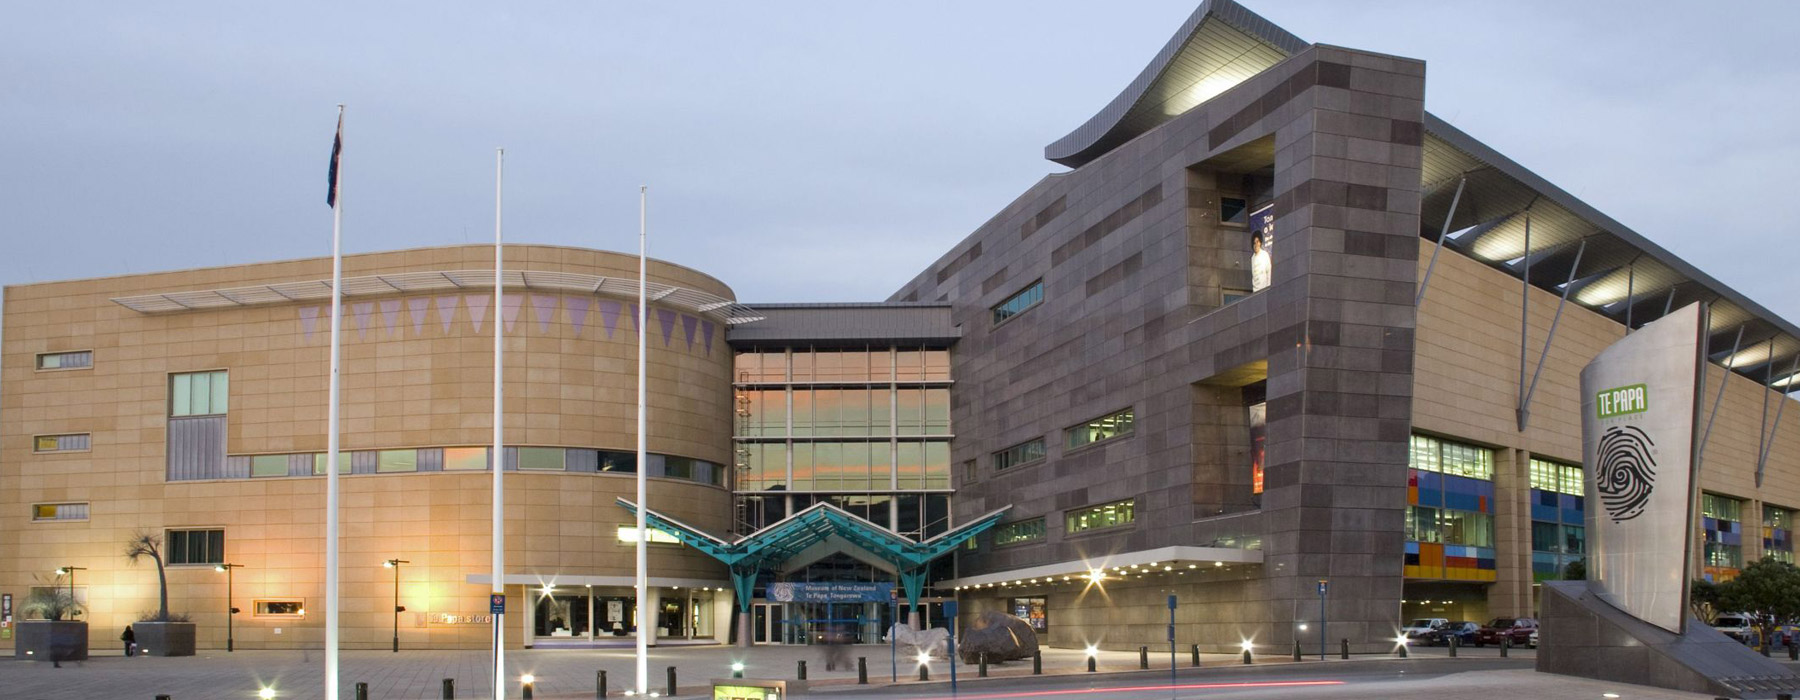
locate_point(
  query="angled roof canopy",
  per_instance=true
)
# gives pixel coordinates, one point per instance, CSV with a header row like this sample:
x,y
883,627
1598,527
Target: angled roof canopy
x,y
1621,274
770,546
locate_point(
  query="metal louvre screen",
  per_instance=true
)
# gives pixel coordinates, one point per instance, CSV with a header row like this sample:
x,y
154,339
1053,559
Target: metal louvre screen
x,y
196,448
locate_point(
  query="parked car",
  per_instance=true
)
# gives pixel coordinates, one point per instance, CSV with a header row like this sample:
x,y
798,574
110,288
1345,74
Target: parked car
x,y
1462,630
1533,641
1422,627
1516,629
1736,626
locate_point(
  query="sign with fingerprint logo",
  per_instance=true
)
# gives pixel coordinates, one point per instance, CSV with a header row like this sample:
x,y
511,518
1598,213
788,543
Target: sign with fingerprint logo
x,y
1637,426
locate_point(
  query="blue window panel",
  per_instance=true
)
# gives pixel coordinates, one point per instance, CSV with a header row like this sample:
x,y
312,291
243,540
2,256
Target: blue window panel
x,y
1413,549
1732,538
1484,564
1540,510
1462,501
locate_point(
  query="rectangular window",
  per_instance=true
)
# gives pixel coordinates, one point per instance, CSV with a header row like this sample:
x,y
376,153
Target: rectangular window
x,y
1557,477
397,461
289,607
343,463
1234,210
1018,303
1022,453
1229,296
1099,429
465,459
269,465
1467,528
1459,459
1101,516
1422,525
1722,507
618,462
195,547
74,442
1033,611
198,394
548,459
1016,533
1778,533
628,535
59,511
1546,537
80,359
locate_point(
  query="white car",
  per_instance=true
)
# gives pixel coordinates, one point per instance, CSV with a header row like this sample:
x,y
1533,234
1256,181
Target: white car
x,y
1422,626
1736,626
1533,641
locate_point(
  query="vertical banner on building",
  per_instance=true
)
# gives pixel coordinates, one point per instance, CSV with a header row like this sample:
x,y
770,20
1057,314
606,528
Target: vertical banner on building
x,y
1262,243
1639,408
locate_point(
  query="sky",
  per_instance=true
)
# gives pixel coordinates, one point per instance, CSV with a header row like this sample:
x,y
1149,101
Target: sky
x,y
800,151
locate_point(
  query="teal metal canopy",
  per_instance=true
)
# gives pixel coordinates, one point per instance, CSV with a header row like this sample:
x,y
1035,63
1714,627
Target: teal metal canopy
x,y
769,547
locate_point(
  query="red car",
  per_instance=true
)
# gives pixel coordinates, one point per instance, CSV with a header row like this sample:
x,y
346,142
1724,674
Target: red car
x,y
1518,629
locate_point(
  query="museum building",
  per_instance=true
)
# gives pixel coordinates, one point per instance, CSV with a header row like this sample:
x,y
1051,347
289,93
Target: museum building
x,y
1279,344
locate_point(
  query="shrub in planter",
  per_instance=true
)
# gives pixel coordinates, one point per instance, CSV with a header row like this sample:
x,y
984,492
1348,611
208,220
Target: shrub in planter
x,y
53,638
159,633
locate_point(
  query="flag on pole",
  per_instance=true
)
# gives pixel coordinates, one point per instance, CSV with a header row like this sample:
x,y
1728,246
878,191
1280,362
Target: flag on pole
x,y
337,147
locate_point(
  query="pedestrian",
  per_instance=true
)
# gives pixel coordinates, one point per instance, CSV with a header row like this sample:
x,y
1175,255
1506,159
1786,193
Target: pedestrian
x,y
130,639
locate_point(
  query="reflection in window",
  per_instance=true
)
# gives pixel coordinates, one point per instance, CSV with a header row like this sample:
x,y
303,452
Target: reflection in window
x,y
59,511
541,458
195,547
343,463
1436,455
1099,429
387,461
198,394
1018,303
269,465
1101,516
280,608
465,459
1022,453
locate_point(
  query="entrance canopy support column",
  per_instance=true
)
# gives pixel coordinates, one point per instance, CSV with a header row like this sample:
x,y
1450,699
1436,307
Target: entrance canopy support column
x,y
743,585
912,583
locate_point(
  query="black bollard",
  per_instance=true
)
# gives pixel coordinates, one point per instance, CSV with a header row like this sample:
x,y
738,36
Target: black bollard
x,y
1344,651
1090,663
1793,652
981,671
862,670
1296,650
671,681
1505,646
162,697
1195,649
600,684
924,672
362,691
800,669
1246,656
449,692
1143,657
1453,645
1037,663
525,687
1400,650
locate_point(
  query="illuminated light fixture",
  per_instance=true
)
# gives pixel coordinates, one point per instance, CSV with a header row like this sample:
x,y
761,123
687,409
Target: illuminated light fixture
x,y
1402,640
1092,650
1609,695
1168,568
265,693
1096,576
924,658
1218,563
1248,645
1302,627
1193,566
528,679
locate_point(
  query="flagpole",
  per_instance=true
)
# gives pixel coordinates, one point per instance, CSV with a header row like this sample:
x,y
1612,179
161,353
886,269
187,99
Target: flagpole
x,y
644,625
331,428
499,456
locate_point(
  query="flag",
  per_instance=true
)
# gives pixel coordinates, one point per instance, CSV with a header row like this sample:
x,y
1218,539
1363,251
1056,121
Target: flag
x,y
337,147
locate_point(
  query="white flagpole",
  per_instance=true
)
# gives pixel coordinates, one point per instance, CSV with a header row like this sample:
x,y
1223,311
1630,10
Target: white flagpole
x,y
331,429
644,624
499,456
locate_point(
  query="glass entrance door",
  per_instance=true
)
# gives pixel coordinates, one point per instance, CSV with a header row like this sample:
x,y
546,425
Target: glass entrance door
x,y
766,623
561,615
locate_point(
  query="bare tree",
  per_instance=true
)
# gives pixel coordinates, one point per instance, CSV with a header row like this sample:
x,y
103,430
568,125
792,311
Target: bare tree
x,y
144,543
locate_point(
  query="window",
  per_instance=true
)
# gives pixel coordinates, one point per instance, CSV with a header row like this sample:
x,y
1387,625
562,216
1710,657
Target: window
x,y
1457,459
1018,303
198,394
472,459
1422,525
1229,296
1556,477
343,463
1722,507
290,607
618,462
541,458
59,511
1100,517
80,359
1778,533
388,461
74,442
1022,531
628,535
1100,429
1234,210
1546,537
195,547
1461,527
1032,611
269,465
1022,453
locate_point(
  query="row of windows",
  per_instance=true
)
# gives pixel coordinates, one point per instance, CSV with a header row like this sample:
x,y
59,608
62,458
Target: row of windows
x,y
478,459
198,394
1557,477
80,359
1105,427
1023,453
1437,455
1019,532
1446,526
1019,302
1562,539
875,365
73,442
59,511
1721,507
194,547
843,466
1101,516
804,412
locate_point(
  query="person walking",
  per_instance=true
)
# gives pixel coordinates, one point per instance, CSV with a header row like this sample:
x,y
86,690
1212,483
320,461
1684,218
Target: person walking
x,y
130,639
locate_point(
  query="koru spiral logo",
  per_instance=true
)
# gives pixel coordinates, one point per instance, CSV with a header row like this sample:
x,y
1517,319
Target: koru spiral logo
x,y
1627,473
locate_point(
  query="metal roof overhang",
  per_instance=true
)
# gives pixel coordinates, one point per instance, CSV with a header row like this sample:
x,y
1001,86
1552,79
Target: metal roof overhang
x,y
1223,44
1177,557
769,547
719,308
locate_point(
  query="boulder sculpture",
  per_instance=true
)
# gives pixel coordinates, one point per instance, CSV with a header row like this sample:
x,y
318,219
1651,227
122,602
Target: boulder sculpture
x,y
932,642
1001,636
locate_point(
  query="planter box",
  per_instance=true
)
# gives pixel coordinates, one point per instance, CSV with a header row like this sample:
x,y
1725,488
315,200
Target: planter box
x,y
164,638
51,640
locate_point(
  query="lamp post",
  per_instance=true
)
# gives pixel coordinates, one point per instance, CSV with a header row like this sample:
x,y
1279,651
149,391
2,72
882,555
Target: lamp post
x,y
69,571
395,565
230,609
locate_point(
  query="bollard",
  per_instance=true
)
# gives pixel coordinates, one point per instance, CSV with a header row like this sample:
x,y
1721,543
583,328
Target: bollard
x,y
1505,646
800,669
1037,663
362,691
449,692
1246,657
862,670
1784,696
1793,652
525,688
924,672
1344,651
1090,664
1195,649
671,681
1296,650
600,684
1453,645
981,671
1143,658
1400,650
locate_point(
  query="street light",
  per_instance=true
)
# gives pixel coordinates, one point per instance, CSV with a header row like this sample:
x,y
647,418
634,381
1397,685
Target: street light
x,y
69,571
230,610
398,608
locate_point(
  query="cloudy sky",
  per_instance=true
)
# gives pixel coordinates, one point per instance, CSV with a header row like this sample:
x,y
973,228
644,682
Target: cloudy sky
x,y
799,151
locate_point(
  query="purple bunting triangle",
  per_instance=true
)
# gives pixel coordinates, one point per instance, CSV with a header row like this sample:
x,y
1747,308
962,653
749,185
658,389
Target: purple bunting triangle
x,y
545,309
390,314
706,332
578,311
309,320
609,316
634,316
362,310
688,324
478,307
418,307
509,309
666,319
446,308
